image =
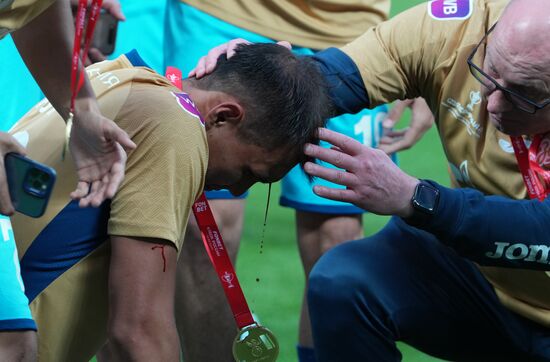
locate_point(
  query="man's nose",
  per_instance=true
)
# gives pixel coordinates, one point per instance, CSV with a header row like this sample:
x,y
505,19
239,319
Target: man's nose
x,y
497,101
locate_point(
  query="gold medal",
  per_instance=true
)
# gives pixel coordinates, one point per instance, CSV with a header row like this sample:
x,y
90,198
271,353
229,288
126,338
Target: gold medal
x,y
255,343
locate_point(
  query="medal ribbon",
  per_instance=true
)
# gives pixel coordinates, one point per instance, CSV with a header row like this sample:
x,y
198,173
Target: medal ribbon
x,y
76,84
530,168
217,252
214,245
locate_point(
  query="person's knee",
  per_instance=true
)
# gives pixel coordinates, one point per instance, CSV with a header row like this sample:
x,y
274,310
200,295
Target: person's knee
x,y
229,216
327,230
339,229
332,295
330,282
357,269
142,331
18,346
128,335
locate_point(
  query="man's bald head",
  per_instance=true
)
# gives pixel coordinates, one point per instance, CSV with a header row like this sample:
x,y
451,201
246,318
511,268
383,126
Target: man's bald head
x,y
517,57
521,35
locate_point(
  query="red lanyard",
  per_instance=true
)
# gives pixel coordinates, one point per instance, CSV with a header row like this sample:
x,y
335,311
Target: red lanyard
x,y
530,167
79,29
215,246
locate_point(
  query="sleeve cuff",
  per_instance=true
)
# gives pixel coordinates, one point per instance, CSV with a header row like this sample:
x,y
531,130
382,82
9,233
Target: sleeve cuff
x,y
345,85
443,223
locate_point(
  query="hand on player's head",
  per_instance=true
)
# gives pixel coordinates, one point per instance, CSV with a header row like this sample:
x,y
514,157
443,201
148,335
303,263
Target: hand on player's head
x,y
208,62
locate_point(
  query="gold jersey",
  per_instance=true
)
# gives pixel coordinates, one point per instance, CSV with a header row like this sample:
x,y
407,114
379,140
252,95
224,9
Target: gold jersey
x,y
423,52
312,24
64,254
14,14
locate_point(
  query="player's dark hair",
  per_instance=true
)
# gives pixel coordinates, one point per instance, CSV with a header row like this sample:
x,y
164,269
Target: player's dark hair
x,y
284,95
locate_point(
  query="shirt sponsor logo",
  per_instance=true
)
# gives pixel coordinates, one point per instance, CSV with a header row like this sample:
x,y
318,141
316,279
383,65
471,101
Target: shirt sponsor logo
x,y
450,9
22,137
519,251
464,114
107,78
187,105
200,206
461,173
506,146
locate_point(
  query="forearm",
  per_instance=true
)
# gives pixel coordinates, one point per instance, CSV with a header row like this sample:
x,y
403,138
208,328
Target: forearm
x,y
142,280
46,45
493,230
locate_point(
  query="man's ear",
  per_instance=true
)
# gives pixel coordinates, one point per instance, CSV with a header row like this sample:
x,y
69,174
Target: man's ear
x,y
227,113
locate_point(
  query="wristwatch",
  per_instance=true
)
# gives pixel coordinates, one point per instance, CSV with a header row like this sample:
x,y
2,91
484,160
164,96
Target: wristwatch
x,y
424,202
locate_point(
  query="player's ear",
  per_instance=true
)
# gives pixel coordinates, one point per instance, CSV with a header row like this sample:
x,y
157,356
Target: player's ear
x,y
228,113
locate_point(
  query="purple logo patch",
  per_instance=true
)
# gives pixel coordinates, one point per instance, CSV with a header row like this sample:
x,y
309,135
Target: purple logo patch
x,y
450,9
187,104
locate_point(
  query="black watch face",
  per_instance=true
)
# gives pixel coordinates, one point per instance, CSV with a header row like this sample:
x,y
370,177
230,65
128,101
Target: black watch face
x,y
426,198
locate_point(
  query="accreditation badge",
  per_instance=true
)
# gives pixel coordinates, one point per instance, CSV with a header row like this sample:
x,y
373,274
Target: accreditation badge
x,y
255,343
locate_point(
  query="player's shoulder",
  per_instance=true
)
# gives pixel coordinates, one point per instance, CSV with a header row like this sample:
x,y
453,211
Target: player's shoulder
x,y
119,73
163,105
15,14
162,117
445,15
439,28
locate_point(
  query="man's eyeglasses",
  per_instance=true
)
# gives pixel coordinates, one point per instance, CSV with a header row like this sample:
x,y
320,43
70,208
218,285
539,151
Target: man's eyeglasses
x,y
515,98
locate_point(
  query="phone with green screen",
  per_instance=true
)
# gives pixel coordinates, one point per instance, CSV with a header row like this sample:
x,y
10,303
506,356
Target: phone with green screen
x,y
30,184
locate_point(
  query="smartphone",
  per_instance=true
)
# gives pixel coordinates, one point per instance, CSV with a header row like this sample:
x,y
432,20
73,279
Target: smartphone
x,y
105,33
30,184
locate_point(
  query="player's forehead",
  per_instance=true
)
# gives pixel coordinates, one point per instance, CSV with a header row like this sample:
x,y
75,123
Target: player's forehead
x,y
272,165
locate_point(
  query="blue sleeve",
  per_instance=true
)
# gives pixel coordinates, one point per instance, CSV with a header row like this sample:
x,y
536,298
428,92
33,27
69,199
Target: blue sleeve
x,y
493,230
346,88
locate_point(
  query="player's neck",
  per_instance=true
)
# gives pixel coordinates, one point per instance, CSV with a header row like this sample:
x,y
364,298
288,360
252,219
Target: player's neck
x,y
205,100
198,96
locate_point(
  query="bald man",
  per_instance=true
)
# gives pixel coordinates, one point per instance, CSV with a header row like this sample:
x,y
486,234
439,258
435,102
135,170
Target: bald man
x,y
458,273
